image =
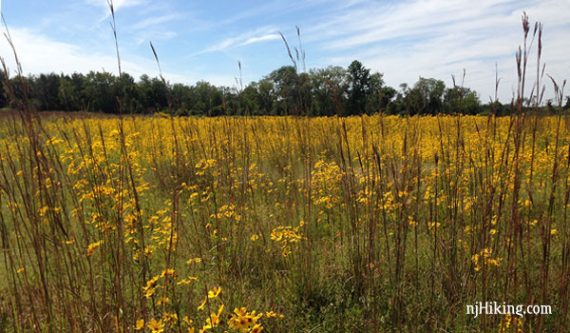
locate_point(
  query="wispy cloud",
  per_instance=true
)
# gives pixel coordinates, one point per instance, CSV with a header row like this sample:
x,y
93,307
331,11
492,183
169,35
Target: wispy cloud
x,y
154,21
260,35
154,28
260,39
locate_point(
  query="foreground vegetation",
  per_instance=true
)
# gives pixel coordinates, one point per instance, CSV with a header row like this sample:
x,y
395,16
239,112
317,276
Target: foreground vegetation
x,y
316,224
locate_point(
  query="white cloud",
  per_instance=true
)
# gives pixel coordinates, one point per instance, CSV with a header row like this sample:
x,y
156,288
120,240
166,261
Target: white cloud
x,y
41,54
153,36
154,21
264,34
260,39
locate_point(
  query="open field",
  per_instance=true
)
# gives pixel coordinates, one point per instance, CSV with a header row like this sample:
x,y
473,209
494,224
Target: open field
x,y
360,224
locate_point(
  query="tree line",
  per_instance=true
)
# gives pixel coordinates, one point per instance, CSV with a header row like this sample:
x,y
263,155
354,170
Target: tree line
x,y
328,91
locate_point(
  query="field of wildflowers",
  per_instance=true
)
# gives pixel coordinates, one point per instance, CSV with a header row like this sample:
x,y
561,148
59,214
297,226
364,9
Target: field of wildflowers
x,y
360,224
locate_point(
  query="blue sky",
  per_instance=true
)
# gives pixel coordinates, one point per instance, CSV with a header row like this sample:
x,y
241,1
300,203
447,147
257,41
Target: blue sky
x,y
204,40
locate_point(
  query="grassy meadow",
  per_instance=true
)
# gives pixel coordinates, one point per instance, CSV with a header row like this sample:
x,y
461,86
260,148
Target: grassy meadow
x,y
282,224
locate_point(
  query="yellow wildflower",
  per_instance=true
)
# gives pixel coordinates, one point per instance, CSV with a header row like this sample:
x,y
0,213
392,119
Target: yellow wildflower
x,y
156,326
139,324
167,272
194,261
214,292
187,281
203,304
92,247
256,329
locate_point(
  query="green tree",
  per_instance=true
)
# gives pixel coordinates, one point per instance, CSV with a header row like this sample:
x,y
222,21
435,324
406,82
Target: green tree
x,y
358,88
286,91
250,99
329,88
153,93
387,95
98,92
127,93
45,89
265,97
398,104
70,93
378,96
3,97
461,100
426,97
206,100
304,94
181,96
231,101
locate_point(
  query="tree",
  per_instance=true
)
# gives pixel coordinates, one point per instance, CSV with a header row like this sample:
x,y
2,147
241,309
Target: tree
x,y
3,97
45,91
69,94
154,94
207,100
231,101
426,97
286,91
304,97
461,100
387,95
377,98
358,88
265,96
249,99
398,102
125,89
181,96
329,89
98,92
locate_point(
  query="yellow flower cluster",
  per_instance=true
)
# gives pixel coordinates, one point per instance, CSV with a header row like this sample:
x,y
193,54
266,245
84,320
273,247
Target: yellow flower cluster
x,y
151,287
227,212
287,236
91,248
326,181
510,323
245,321
485,257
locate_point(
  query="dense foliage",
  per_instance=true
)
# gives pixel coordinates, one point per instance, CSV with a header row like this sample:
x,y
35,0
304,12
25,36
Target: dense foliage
x,y
286,91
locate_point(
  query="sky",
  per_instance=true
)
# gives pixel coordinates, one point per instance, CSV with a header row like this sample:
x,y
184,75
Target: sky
x,y
204,40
